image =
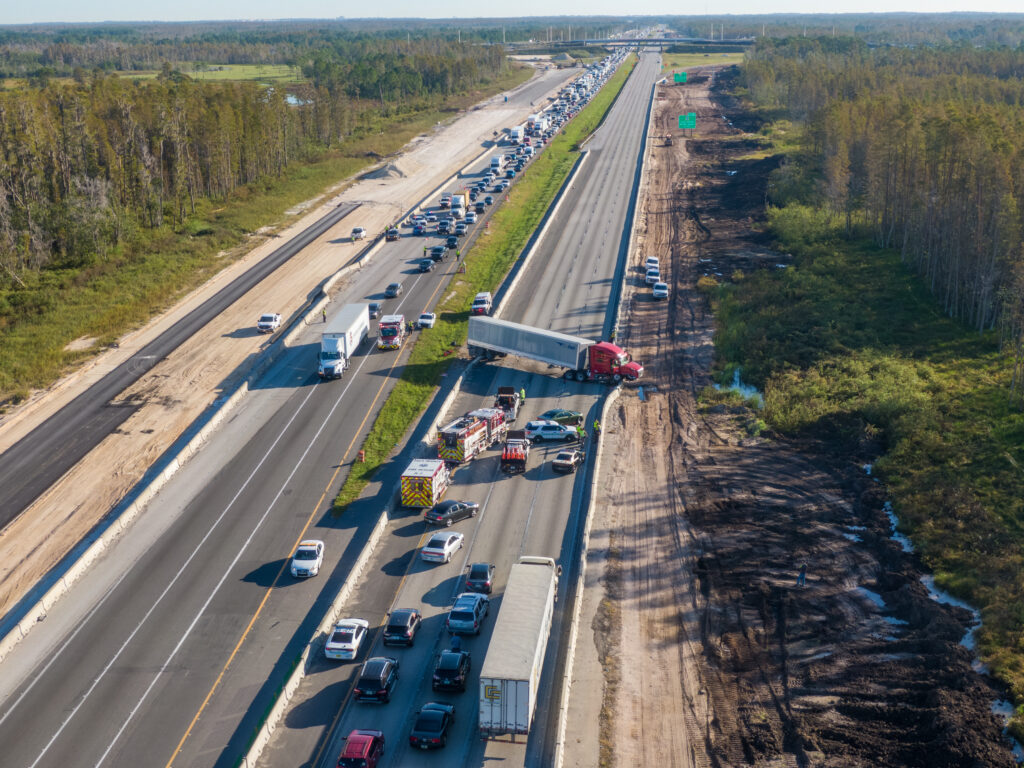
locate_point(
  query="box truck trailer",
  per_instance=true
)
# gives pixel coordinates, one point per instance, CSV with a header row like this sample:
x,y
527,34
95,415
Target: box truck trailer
x,y
515,656
341,338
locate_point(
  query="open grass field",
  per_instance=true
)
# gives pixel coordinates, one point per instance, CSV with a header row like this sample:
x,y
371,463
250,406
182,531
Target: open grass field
x,y
680,61
264,73
487,263
159,266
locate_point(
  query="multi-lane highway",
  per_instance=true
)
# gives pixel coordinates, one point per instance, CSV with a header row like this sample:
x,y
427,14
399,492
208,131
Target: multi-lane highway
x,y
170,649
567,287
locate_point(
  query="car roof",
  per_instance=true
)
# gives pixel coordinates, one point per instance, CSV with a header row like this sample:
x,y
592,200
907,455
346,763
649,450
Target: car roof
x,y
311,543
402,613
346,623
376,664
542,423
441,538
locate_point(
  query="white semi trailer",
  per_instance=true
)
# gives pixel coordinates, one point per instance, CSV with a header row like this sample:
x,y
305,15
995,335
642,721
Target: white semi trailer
x,y
511,671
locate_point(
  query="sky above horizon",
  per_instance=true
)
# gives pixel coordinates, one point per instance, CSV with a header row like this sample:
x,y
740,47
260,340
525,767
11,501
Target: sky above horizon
x,y
194,10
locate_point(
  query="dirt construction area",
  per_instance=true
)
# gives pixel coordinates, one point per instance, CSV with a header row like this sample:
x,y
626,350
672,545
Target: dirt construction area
x,y
697,644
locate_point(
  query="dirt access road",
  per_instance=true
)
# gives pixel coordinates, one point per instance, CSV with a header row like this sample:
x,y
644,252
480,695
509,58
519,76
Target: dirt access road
x,y
178,390
697,647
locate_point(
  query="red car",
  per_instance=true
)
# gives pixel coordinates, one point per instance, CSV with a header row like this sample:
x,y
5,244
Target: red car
x,y
363,749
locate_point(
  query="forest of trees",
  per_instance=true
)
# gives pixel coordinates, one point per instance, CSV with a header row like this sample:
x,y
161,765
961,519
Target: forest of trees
x,y
83,162
58,50
921,149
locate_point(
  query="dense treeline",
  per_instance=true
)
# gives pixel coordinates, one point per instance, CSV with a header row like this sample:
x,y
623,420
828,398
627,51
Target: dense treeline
x,y
876,28
921,148
58,50
84,164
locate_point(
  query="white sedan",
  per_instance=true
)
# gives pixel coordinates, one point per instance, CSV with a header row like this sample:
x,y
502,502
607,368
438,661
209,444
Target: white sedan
x,y
345,639
427,320
268,323
358,233
442,546
660,291
308,558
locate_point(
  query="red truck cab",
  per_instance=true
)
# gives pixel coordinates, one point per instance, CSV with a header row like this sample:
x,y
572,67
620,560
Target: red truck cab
x,y
610,361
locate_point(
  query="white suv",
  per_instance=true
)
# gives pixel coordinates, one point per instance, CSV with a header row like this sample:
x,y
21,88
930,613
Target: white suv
x,y
550,430
268,323
358,233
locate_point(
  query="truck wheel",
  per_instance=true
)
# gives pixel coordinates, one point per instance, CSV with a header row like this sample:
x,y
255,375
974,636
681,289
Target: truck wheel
x,y
617,378
448,523
472,513
568,375
580,376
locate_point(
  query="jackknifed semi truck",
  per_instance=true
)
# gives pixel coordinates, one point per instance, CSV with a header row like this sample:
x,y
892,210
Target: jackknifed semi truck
x,y
583,359
515,657
341,338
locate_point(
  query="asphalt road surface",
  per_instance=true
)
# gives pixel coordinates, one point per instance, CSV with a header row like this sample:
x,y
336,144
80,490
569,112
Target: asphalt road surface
x,y
40,458
567,287
173,645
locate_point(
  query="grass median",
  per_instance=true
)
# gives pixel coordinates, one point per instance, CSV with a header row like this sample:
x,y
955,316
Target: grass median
x,y
487,264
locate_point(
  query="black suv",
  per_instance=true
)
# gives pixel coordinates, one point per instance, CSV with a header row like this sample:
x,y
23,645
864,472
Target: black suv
x,y
438,253
402,627
480,578
426,265
451,673
452,242
377,679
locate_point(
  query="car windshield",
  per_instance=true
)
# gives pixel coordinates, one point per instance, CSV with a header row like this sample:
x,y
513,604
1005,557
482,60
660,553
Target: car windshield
x,y
352,762
388,332
478,572
564,457
306,554
437,542
330,354
461,615
342,636
426,317
266,318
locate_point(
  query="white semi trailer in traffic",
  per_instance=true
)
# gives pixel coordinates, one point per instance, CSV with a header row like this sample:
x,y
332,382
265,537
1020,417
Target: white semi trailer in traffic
x,y
511,671
341,338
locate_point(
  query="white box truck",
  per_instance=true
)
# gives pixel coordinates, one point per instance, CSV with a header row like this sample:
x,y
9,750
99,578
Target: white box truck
x,y
515,135
515,657
341,338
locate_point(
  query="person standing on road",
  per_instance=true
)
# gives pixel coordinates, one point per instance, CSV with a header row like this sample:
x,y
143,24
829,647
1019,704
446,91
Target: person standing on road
x,y
597,428
801,579
324,313
581,433
522,395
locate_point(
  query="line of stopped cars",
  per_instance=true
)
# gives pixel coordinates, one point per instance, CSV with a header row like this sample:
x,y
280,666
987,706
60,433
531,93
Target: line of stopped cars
x,y
379,675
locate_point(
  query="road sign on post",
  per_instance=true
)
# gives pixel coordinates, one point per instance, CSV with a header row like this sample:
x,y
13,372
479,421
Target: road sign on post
x,y
679,77
688,121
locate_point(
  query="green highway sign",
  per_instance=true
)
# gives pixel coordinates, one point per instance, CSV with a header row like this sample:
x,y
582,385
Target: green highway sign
x,y
679,77
688,121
